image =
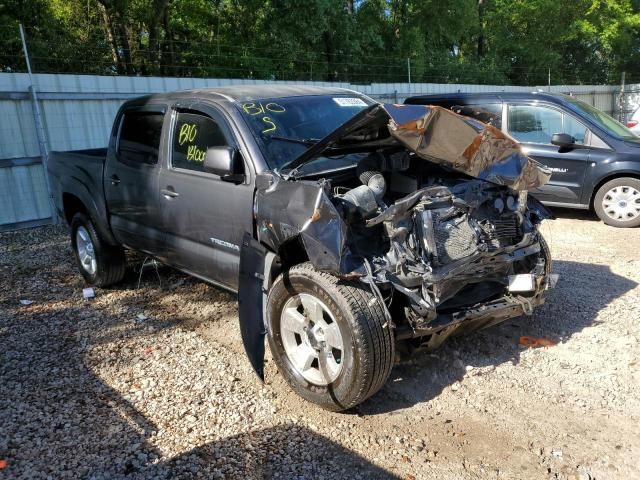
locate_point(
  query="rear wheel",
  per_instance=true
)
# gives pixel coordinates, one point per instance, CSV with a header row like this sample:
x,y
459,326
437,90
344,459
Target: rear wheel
x,y
99,263
329,338
617,202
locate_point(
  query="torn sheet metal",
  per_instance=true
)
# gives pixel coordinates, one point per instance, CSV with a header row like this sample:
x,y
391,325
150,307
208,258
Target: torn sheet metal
x,y
287,210
467,145
439,136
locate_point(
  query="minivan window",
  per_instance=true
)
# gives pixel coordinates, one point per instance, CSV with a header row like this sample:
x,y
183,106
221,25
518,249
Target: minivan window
x,y
533,123
193,134
537,124
604,121
490,113
574,128
140,137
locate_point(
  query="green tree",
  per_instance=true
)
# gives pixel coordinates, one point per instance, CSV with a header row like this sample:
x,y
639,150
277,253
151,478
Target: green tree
x,y
361,41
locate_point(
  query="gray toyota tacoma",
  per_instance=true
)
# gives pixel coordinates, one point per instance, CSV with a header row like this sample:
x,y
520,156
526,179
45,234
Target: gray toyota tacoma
x,y
348,228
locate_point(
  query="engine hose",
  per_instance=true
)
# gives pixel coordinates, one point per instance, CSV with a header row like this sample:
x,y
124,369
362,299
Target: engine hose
x,y
376,293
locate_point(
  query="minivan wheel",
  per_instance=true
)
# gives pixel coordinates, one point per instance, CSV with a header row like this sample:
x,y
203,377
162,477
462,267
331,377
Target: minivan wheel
x,y
617,202
328,337
99,263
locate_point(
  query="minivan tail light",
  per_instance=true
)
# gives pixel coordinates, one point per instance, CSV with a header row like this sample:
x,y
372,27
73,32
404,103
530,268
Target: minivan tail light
x,y
632,123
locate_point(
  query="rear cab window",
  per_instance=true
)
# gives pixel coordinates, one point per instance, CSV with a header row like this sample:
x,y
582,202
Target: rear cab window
x,y
140,133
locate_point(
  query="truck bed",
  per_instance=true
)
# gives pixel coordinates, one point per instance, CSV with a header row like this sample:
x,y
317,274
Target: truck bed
x,y
78,175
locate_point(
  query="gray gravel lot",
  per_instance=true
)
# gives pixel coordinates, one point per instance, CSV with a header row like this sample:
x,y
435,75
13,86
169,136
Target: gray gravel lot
x,y
153,382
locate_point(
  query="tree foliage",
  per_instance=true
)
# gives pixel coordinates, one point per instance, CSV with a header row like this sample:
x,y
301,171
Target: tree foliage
x,y
454,41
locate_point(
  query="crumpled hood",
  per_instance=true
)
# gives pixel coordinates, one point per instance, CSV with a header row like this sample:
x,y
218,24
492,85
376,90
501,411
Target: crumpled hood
x,y
437,135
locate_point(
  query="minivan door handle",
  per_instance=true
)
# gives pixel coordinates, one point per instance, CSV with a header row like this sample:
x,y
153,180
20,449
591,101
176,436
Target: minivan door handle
x,y
115,180
169,192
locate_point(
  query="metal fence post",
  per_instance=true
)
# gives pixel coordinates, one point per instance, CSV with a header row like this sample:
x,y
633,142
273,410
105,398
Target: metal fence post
x,y
621,100
37,118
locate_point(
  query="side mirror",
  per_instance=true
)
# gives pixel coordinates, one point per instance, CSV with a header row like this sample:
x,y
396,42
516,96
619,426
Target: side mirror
x,y
563,140
224,162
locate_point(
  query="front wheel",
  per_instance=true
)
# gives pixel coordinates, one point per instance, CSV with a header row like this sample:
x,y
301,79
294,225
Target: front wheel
x,y
99,263
328,337
617,202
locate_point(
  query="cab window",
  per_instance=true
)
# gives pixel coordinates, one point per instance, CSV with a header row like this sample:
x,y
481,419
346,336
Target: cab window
x,y
193,134
140,137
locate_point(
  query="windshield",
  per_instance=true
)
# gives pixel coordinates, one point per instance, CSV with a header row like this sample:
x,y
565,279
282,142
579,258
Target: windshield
x,y
603,120
286,127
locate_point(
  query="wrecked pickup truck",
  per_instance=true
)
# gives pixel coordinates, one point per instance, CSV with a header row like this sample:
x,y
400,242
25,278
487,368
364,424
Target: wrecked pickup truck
x,y
347,227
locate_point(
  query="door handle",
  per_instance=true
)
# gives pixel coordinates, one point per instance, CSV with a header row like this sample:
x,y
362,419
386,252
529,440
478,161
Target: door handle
x,y
115,180
169,193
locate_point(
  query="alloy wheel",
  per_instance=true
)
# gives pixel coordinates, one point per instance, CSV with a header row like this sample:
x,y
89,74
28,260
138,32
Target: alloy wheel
x,y
311,338
86,252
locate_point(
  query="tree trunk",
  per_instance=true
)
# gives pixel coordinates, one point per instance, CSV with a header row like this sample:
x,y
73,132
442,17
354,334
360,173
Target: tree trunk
x,y
116,10
123,35
154,54
168,61
481,49
108,26
329,54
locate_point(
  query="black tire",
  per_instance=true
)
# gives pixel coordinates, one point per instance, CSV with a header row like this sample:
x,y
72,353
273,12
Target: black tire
x,y
110,261
368,353
622,182
546,254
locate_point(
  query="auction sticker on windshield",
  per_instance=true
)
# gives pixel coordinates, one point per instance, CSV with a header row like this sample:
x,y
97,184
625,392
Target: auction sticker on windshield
x,y
350,102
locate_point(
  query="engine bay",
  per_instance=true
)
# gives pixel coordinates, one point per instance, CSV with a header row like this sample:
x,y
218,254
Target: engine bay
x,y
438,225
435,241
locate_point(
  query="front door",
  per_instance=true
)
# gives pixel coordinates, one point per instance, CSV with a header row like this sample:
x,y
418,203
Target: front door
x,y
204,217
533,125
131,179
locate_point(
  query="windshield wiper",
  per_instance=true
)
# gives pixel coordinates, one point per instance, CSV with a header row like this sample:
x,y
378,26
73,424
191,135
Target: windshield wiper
x,y
302,141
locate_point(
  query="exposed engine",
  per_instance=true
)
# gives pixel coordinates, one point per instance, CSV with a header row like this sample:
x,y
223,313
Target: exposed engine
x,y
425,208
449,235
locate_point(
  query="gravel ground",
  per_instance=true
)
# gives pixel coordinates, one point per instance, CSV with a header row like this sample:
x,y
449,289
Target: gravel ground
x,y
152,382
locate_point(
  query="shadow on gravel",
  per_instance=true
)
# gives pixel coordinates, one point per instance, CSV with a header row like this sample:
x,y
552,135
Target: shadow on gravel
x,y
270,454
59,419
576,214
56,415
582,291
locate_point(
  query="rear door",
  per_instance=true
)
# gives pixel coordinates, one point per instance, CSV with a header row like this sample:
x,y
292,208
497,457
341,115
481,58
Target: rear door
x,y
203,216
131,179
533,125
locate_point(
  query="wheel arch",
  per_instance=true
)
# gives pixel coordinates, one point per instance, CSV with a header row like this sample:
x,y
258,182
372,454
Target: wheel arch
x,y
289,254
73,204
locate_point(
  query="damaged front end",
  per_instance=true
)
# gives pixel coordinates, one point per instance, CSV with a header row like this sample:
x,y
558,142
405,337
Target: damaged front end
x,y
434,217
